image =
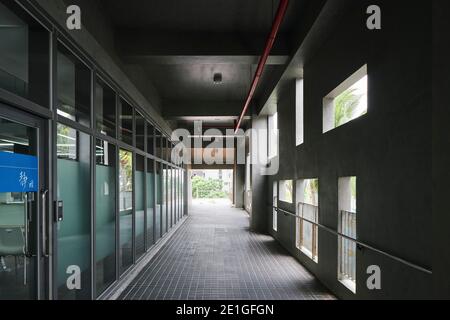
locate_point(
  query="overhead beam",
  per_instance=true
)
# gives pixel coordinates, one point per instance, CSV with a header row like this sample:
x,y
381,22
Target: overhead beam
x,y
179,109
198,59
225,47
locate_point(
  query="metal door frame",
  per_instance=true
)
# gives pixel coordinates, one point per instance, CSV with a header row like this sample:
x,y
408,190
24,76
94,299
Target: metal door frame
x,y
43,258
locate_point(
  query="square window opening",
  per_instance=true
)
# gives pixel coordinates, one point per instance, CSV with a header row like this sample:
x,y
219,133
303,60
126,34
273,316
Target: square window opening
x,y
275,206
299,124
307,197
286,190
347,227
273,135
346,102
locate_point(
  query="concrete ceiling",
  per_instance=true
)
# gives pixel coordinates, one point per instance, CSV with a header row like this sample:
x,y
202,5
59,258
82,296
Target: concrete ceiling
x,y
181,44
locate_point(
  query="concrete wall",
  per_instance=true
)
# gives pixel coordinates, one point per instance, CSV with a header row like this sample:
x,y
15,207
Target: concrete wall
x,y
441,148
258,221
388,149
239,176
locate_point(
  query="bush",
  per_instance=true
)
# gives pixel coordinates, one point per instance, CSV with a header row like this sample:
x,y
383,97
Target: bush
x,y
207,188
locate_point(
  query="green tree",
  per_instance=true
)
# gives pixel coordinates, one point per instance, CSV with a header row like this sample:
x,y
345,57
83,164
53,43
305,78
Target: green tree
x,y
207,188
126,170
345,105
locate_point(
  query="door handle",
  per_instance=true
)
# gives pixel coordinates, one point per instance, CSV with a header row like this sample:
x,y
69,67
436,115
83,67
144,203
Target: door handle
x,y
25,225
25,248
44,223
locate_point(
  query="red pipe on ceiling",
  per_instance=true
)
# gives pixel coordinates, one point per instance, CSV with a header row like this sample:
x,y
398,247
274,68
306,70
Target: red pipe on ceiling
x,y
262,61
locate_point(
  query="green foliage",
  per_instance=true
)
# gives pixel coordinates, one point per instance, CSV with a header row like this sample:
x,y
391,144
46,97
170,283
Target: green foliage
x,y
311,191
207,188
353,187
345,105
288,191
126,170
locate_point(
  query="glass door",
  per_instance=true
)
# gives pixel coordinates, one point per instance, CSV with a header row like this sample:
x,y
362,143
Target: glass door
x,y
21,199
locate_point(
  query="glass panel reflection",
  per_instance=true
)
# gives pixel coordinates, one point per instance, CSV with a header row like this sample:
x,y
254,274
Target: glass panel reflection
x,y
74,87
126,122
158,186
140,131
105,222
24,54
105,109
18,213
126,209
150,139
164,200
140,206
150,201
74,231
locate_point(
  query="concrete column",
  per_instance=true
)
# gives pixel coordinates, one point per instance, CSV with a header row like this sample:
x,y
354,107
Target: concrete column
x,y
239,176
258,218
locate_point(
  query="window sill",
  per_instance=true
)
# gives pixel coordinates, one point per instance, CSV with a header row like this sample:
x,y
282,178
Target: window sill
x,y
349,284
308,253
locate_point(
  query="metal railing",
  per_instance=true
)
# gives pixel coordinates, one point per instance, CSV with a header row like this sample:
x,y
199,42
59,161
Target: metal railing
x,y
347,248
307,239
275,214
359,243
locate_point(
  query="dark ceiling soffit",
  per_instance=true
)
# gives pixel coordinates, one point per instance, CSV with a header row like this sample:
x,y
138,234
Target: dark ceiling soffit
x,y
205,59
140,43
322,17
201,108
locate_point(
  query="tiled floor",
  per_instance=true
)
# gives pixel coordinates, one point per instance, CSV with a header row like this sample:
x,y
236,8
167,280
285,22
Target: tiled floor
x,y
214,256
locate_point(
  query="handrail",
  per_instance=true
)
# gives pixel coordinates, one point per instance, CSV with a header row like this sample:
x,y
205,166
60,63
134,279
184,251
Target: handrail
x,y
359,243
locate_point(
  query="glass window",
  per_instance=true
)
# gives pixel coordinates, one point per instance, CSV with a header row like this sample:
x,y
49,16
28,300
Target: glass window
x,y
158,143
67,143
286,191
18,151
182,192
105,109
307,197
177,194
299,130
140,206
164,148
74,87
347,102
169,198
164,200
248,173
140,131
150,139
273,135
168,150
126,122
126,209
275,206
24,54
74,230
150,201
105,204
159,210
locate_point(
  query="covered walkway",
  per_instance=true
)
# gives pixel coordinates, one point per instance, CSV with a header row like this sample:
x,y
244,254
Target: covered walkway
x,y
214,256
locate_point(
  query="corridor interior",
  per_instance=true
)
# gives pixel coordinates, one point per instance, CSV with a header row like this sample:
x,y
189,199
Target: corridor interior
x,y
319,115
214,256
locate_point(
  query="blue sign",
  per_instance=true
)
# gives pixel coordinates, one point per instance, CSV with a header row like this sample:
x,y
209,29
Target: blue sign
x,y
18,173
